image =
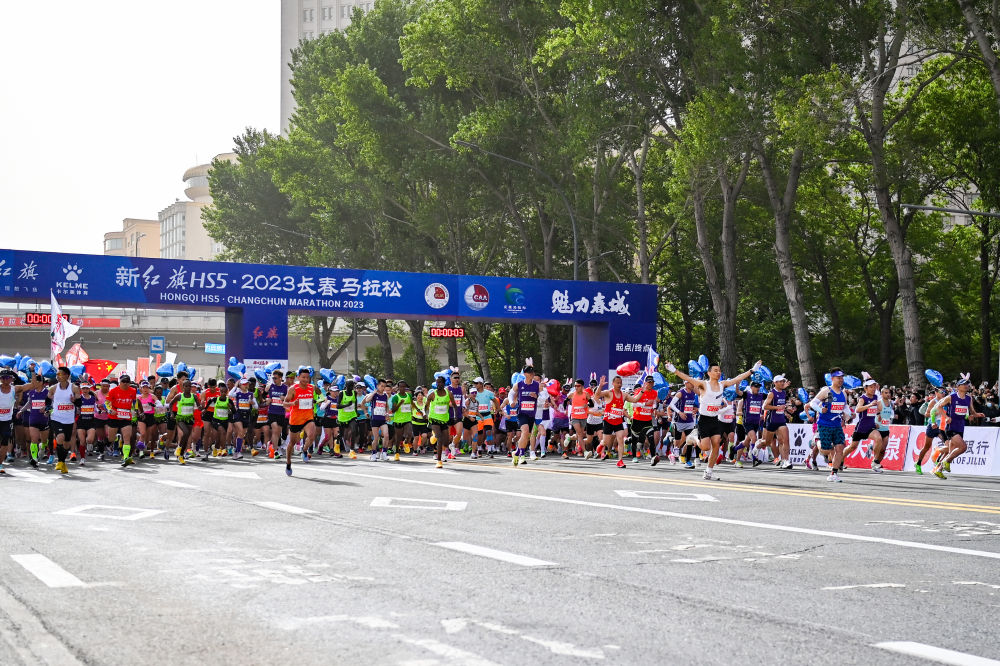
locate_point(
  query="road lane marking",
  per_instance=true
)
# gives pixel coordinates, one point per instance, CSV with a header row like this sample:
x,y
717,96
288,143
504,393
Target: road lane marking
x,y
502,555
173,484
854,587
27,634
685,516
47,571
234,475
411,503
31,478
94,511
655,494
287,508
931,653
455,625
449,652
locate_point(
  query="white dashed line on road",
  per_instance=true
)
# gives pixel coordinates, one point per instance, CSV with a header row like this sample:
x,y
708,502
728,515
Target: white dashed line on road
x,y
108,511
931,653
502,555
173,484
411,503
278,506
47,571
656,494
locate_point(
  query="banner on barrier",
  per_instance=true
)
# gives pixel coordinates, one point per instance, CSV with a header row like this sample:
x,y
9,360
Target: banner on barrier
x,y
980,458
801,437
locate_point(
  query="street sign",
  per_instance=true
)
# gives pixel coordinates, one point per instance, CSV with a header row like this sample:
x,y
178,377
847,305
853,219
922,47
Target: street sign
x,y
215,348
157,344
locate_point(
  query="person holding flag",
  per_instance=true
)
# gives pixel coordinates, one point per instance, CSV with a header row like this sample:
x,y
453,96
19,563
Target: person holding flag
x,y
59,328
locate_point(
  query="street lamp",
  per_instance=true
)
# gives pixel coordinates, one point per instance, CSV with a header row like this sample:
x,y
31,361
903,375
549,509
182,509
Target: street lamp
x,y
562,195
138,237
958,211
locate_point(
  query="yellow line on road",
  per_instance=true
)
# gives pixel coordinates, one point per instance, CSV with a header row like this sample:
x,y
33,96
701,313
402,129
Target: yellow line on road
x,y
770,490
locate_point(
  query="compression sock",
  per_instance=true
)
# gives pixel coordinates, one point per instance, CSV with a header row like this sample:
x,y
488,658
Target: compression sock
x,y
34,450
61,452
239,445
126,450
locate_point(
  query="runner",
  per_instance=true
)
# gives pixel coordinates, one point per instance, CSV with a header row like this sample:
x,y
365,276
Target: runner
x,y
456,418
579,402
8,400
751,407
420,427
379,402
347,414
684,408
441,402
524,395
641,426
244,403
331,428
486,405
186,403
959,408
935,426
710,429
777,425
102,416
276,419
831,403
36,399
867,408
145,407
120,401
299,402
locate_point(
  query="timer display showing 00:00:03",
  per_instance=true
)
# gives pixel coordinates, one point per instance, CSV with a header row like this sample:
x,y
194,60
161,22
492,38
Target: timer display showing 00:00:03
x,y
456,332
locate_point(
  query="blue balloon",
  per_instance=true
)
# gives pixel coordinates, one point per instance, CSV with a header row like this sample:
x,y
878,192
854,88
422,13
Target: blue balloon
x,y
765,373
17,359
370,382
729,393
934,377
233,361
24,363
744,384
357,379
47,370
76,371
327,375
182,367
260,375
828,379
341,380
514,378
659,381
803,395
694,369
271,367
852,382
242,367
663,393
8,361
24,377
192,372
703,363
165,370
804,416
234,372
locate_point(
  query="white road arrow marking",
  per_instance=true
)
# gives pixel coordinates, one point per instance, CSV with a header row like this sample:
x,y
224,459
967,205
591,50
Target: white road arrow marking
x,y
410,503
654,494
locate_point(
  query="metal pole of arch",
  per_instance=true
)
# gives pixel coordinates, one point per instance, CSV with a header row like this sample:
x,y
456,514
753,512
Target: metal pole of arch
x,y
357,365
959,211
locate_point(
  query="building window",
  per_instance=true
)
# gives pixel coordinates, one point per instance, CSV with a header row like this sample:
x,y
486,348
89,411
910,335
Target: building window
x,y
345,11
308,15
327,13
112,244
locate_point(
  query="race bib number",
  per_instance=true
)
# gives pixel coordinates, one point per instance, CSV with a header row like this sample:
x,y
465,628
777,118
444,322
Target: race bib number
x,y
873,409
961,410
440,409
689,409
37,405
123,414
837,408
186,410
755,409
884,421
275,400
616,412
64,408
305,403
5,411
221,412
244,404
262,417
406,408
527,405
712,409
378,410
483,409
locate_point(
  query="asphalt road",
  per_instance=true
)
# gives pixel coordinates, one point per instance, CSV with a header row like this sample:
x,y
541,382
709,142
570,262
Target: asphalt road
x,y
558,562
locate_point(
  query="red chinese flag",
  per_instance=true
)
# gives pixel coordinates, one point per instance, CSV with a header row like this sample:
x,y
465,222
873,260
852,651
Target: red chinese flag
x,y
98,369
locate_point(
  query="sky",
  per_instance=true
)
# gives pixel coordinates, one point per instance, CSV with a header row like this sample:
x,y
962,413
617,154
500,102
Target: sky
x,y
104,104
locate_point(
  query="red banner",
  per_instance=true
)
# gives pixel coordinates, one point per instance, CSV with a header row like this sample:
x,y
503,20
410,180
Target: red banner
x,y
895,449
98,369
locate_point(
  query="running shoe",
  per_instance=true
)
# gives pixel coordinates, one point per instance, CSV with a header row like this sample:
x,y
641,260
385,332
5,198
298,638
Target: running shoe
x,y
406,448
587,455
656,459
709,475
396,457
288,470
373,457
2,470
440,464
565,456
635,460
128,461
600,452
917,469
254,453
83,462
305,456
515,459
756,461
739,464
385,456
181,460
808,464
689,465
787,465
620,463
938,473
51,460
533,457
9,458
947,465
33,463
353,456
876,467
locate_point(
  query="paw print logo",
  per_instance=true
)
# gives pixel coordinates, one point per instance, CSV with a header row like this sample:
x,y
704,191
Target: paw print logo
x,y
72,272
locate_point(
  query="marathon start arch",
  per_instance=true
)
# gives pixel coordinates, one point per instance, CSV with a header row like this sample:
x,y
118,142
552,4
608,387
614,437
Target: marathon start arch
x,y
614,322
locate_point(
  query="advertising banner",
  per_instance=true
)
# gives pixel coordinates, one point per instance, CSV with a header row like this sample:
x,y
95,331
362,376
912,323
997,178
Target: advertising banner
x,y
980,458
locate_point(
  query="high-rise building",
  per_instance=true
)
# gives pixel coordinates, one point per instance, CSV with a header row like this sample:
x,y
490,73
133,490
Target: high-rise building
x,y
309,19
182,233
138,238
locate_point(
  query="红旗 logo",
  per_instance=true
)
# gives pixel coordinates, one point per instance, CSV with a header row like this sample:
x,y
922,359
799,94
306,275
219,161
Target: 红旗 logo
x,y
515,299
436,295
477,297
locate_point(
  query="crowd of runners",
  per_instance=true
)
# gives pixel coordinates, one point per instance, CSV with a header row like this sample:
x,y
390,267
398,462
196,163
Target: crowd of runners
x,y
700,423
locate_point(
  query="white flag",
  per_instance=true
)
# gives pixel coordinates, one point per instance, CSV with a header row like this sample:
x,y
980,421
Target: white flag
x,y
59,329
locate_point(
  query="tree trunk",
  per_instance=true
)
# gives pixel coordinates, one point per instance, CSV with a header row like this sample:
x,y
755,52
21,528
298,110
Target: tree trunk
x,y
385,342
547,365
727,337
322,330
982,36
638,167
479,333
451,347
885,316
782,206
420,354
831,304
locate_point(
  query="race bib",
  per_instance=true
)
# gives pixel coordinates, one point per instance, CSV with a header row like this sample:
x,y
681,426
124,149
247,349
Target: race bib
x,y
123,414
186,410
873,409
755,409
616,412
837,408
689,409
378,410
884,422
37,405
262,417
244,404
221,412
961,410
483,409
275,400
440,409
305,403
4,411
712,409
64,408
406,408
527,405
